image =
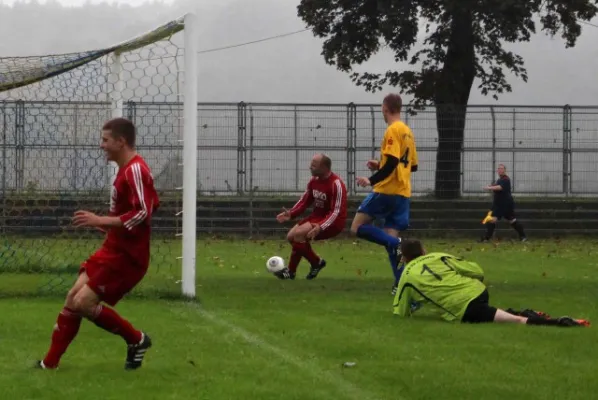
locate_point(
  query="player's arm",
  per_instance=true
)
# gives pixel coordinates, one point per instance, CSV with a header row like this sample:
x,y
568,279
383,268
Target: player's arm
x,y
403,299
392,151
414,158
141,197
305,201
500,186
338,203
464,267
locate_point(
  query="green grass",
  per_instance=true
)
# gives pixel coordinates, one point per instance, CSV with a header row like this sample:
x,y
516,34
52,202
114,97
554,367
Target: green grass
x,y
251,336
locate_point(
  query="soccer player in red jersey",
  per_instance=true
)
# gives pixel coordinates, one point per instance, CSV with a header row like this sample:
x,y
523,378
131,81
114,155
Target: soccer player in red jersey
x,y
122,260
328,194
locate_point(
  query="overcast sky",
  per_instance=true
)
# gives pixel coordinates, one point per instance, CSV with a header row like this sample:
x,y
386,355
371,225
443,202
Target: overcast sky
x,y
286,70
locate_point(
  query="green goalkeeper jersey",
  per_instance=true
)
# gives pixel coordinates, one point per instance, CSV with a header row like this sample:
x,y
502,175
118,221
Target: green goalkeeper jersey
x,y
442,280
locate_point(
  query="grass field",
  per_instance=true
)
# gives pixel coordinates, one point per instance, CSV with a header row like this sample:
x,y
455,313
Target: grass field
x,y
251,336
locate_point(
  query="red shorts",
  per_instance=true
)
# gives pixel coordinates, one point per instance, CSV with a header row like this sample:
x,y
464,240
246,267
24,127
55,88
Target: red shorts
x,y
328,233
111,275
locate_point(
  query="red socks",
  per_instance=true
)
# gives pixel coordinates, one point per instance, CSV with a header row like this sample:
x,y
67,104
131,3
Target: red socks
x,y
65,330
295,259
109,320
302,249
67,327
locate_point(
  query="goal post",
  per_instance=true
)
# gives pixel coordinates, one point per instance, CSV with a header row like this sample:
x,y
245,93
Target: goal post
x,y
190,156
51,111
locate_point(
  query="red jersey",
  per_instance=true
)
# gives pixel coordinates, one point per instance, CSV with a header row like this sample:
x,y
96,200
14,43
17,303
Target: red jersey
x,y
329,198
133,199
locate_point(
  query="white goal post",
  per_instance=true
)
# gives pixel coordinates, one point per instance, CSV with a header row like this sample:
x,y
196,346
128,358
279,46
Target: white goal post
x,y
59,101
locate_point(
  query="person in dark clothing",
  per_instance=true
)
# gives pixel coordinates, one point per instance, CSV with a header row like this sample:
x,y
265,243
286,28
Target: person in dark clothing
x,y
503,206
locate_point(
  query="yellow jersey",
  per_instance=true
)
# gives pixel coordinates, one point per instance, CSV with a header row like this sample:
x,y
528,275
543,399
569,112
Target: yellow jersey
x,y
398,141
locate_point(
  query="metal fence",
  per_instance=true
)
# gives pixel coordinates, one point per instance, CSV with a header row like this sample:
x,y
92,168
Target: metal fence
x,y
266,148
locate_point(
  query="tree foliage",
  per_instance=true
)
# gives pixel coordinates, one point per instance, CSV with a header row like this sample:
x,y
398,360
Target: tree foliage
x,y
440,47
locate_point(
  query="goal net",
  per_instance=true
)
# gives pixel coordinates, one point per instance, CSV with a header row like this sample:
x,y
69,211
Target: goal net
x,y
52,108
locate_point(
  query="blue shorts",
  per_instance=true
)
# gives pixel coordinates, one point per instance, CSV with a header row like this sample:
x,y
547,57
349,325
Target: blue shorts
x,y
393,209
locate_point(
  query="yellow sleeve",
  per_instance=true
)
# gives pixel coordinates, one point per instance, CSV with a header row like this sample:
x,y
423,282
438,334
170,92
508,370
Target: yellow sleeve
x,y
391,147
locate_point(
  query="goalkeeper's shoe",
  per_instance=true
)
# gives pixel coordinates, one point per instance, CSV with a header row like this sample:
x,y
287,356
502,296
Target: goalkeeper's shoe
x,y
568,321
488,218
314,271
136,352
284,273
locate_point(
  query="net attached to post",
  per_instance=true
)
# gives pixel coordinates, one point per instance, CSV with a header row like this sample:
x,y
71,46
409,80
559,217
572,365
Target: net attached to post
x,y
52,108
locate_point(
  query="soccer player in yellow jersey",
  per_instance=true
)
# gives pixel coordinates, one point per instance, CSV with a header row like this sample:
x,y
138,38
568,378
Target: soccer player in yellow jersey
x,y
391,185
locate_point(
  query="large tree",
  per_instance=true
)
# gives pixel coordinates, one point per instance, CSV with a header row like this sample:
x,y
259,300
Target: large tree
x,y
463,41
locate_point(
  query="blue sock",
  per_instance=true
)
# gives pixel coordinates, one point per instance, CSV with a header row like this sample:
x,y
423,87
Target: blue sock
x,y
391,243
394,263
377,235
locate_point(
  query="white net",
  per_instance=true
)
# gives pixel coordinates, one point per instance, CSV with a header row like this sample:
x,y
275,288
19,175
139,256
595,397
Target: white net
x,y
51,110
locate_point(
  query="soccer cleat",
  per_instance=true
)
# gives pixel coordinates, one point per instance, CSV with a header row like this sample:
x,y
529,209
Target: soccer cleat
x,y
284,273
568,321
136,352
39,364
314,271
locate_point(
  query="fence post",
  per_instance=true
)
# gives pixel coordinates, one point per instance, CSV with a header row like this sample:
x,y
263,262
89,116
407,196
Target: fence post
x,y
295,132
373,132
241,133
19,144
76,150
513,148
251,136
4,127
493,116
132,111
567,149
351,136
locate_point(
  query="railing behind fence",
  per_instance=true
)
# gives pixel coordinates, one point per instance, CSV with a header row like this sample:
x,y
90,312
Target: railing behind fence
x,y
265,149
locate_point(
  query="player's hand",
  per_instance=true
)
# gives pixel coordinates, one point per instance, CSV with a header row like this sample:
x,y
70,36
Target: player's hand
x,y
488,187
373,165
363,182
86,218
315,231
284,216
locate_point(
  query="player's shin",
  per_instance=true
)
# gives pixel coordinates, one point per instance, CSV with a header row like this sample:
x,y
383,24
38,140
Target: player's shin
x,y
295,258
518,228
109,320
490,227
376,235
65,330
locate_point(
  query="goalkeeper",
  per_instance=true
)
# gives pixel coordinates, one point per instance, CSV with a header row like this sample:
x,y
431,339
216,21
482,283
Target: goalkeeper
x,y
454,286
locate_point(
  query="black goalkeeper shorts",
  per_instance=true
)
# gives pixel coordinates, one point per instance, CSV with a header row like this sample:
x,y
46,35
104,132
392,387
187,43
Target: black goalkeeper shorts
x,y
479,311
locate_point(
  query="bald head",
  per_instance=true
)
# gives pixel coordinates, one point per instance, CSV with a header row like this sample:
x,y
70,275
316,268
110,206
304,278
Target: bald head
x,y
320,165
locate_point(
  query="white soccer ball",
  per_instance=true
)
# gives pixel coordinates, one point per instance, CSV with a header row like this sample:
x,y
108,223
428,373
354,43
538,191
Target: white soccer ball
x,y
275,264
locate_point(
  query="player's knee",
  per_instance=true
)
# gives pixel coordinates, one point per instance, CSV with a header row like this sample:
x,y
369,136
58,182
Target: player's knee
x,y
355,226
83,305
291,236
70,298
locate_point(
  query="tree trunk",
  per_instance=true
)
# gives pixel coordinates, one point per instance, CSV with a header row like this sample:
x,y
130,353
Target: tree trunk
x,y
450,121
452,95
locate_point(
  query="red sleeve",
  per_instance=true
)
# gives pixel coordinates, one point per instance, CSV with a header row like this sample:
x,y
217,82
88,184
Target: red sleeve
x,y
338,204
142,196
304,202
